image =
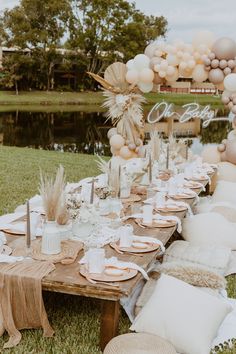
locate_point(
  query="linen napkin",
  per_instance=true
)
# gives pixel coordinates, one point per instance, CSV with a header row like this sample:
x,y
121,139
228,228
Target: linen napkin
x,y
10,259
114,262
3,239
149,240
172,202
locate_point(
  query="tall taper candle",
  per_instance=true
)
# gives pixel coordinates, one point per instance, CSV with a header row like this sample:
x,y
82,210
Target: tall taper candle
x,y
109,174
92,191
167,156
150,169
186,151
28,236
119,181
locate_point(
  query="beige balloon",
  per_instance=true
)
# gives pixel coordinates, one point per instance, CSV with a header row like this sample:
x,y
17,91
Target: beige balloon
x,y
216,76
199,73
224,48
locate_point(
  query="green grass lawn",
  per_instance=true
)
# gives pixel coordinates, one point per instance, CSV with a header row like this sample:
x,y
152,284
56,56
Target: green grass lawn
x,y
75,319
41,98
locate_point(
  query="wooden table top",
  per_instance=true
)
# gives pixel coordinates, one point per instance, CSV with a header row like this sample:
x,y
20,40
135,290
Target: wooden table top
x,y
67,279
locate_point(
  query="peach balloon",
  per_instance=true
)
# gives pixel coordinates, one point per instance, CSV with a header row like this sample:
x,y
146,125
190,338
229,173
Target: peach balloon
x,y
172,59
199,73
146,75
132,76
174,77
117,141
125,153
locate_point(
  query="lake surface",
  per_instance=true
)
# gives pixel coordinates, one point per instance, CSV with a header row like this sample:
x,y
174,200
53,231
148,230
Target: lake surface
x,y
86,131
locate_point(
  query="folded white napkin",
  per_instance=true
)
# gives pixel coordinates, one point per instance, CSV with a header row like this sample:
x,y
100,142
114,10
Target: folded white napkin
x,y
171,202
10,259
114,262
149,240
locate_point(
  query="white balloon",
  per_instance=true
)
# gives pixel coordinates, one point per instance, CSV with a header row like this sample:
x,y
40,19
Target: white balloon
x,y
157,67
130,64
179,54
164,64
132,76
172,59
162,73
199,73
145,87
150,49
191,63
174,77
186,56
183,65
158,53
146,75
170,71
230,82
141,61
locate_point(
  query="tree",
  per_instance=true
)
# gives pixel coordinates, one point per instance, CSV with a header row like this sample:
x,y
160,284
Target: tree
x,y
39,26
106,30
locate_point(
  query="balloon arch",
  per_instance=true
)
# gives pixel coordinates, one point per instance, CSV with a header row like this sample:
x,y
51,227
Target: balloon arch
x,y
206,58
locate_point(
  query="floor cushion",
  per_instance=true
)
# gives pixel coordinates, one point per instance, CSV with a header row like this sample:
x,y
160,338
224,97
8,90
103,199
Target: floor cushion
x,y
139,343
226,172
225,192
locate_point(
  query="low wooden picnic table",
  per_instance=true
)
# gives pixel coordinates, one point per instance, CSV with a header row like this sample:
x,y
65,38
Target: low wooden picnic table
x,y
67,279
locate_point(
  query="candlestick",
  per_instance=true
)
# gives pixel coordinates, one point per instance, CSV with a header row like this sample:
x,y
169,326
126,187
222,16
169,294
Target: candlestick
x,y
167,156
109,174
28,236
92,191
186,151
150,169
119,181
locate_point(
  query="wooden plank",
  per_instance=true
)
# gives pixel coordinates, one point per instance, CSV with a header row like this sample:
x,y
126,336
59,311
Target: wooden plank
x,y
109,321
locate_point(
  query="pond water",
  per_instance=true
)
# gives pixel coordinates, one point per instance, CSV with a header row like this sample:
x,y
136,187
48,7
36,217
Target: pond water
x,y
85,131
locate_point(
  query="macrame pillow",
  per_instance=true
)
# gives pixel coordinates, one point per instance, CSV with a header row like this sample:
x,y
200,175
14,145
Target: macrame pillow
x,y
225,192
214,258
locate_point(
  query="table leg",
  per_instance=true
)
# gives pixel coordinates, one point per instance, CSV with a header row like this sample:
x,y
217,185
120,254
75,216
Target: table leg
x,y
109,321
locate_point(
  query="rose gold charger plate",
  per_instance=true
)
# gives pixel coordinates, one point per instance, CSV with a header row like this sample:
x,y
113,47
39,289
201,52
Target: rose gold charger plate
x,y
173,209
156,223
196,179
150,247
181,196
193,185
13,232
103,277
132,198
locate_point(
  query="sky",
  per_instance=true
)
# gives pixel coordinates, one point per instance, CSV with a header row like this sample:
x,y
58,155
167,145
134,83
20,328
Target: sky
x,y
185,17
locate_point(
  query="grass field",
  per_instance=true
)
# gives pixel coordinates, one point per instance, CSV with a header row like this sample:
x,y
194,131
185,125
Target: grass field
x,y
75,319
8,99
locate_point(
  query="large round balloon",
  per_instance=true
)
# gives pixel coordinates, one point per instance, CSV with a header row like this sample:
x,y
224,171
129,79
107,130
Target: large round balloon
x,y
146,75
150,49
230,82
173,77
117,141
141,61
145,87
125,153
111,132
224,48
230,151
216,76
132,76
199,73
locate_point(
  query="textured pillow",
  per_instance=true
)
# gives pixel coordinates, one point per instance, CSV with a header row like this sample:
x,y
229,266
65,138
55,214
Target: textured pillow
x,y
193,274
226,172
224,192
186,317
214,258
209,229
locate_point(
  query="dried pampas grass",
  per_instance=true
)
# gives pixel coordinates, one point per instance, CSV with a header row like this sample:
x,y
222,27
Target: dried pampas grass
x,y
52,193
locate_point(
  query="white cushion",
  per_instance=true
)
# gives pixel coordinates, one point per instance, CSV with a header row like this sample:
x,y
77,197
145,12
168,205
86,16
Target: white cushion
x,y
209,229
224,192
226,172
214,258
186,317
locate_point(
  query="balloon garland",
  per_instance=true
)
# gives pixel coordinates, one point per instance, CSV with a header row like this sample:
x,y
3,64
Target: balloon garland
x,y
206,58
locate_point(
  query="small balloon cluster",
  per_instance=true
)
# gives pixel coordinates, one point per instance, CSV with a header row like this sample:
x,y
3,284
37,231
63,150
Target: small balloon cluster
x,y
221,61
121,147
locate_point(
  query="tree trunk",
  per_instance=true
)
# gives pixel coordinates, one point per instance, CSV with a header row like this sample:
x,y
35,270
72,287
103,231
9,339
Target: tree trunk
x,y
16,87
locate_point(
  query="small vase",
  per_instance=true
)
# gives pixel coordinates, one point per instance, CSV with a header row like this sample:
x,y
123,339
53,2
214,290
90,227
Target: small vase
x,y
82,229
51,239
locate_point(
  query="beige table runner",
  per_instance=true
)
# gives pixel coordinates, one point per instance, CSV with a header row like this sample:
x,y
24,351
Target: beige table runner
x,y
21,301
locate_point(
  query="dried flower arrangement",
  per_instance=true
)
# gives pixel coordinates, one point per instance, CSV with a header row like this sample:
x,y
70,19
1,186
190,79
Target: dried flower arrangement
x,y
52,193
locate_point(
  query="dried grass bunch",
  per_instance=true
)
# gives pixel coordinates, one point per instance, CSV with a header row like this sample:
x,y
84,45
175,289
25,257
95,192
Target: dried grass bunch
x,y
52,192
